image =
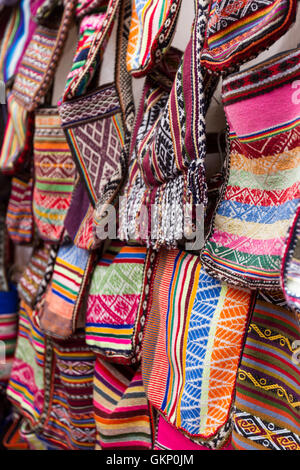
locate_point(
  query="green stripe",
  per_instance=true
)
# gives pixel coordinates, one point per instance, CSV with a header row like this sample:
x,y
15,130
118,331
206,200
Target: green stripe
x,y
279,181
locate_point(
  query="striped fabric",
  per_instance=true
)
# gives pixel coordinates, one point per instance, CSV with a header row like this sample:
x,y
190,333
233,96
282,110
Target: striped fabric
x,y
237,31
8,332
192,346
70,421
18,33
84,7
113,301
36,71
290,267
169,438
262,190
14,136
94,32
151,32
26,384
19,217
120,408
59,310
54,175
33,274
267,404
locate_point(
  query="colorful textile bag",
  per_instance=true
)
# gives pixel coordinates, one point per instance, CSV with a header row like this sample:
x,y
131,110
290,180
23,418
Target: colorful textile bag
x,y
54,175
121,408
192,345
261,190
115,306
33,274
19,216
267,403
70,421
151,31
61,305
169,438
290,267
36,71
98,128
8,332
18,33
167,173
238,31
25,388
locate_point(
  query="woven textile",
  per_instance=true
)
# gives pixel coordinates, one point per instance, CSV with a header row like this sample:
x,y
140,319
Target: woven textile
x,y
18,33
290,268
33,274
26,384
5,252
70,421
94,33
192,346
151,32
84,7
238,31
113,306
59,310
54,175
36,71
80,218
167,156
120,408
169,438
267,404
14,136
19,216
94,130
262,188
8,332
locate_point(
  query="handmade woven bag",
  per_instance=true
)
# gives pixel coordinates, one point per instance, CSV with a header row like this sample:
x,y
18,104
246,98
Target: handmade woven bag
x,y
98,127
261,190
25,388
121,409
36,70
151,31
19,216
237,31
290,267
17,35
54,175
8,332
116,303
267,403
192,345
167,172
60,307
70,423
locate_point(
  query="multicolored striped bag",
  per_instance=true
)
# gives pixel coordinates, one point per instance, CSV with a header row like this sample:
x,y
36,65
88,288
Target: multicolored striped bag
x,y
167,174
33,274
238,31
267,403
25,388
290,267
192,345
39,62
151,31
59,310
54,175
261,190
17,35
8,332
19,216
121,408
116,303
70,423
